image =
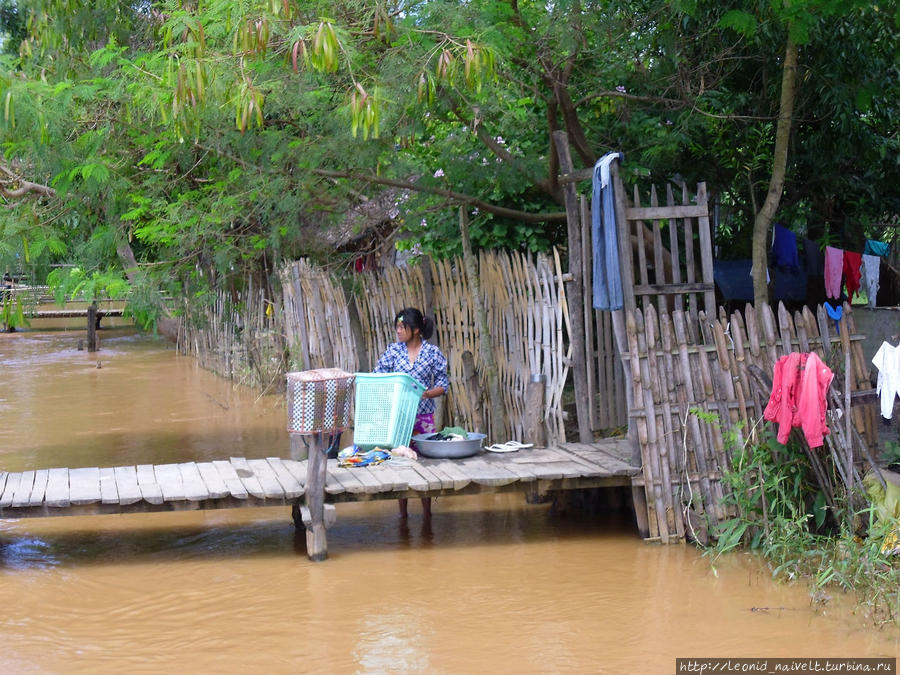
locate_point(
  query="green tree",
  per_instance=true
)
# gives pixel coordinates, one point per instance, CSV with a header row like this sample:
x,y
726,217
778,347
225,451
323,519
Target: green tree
x,y
197,143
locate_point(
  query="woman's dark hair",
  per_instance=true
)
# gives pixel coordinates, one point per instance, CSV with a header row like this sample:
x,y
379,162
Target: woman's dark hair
x,y
413,318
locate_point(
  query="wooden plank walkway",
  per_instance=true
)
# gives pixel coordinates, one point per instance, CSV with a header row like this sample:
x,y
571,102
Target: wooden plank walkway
x,y
274,481
70,313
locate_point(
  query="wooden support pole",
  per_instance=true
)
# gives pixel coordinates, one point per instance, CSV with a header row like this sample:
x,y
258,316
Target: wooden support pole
x,y
299,310
848,418
575,297
473,390
639,501
498,421
92,327
534,411
316,542
298,449
428,292
618,316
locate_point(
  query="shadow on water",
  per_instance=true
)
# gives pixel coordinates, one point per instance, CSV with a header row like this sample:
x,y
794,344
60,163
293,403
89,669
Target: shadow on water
x,y
371,528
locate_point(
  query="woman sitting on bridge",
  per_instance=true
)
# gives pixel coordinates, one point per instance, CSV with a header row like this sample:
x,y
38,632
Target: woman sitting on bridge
x,y
422,361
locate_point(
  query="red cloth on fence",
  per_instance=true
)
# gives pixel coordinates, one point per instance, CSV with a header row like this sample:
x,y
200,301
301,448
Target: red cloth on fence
x,y
852,263
799,397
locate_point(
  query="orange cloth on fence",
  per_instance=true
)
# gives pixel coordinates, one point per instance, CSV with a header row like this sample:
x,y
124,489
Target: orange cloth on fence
x,y
799,397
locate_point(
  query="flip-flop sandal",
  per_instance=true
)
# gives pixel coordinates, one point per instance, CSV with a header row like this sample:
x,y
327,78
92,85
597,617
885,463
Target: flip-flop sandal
x,y
498,447
519,446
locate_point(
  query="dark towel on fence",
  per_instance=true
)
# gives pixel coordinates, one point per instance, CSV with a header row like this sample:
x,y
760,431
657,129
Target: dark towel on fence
x,y
790,284
607,276
814,258
733,279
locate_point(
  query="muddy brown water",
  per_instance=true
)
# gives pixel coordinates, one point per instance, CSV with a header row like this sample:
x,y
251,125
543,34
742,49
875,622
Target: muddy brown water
x,y
493,584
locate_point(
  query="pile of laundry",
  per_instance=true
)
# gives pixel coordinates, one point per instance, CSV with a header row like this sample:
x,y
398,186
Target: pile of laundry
x,y
854,269
355,456
449,434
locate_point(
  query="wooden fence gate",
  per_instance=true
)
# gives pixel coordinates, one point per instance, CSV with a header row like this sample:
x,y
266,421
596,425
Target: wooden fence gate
x,y
686,363
666,261
680,276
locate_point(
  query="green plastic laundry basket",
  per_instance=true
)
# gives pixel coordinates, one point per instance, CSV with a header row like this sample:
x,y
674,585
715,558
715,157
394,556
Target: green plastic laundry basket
x,y
385,411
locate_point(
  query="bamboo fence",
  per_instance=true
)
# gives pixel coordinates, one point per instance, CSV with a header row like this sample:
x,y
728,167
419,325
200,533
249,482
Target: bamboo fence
x,y
527,317
725,373
237,336
316,318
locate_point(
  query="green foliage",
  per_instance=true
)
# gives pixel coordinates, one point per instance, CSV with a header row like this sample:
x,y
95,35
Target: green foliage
x,y
225,137
743,22
75,283
12,314
891,452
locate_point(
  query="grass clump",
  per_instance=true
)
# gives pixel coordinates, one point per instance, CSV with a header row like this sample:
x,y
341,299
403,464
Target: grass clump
x,y
779,509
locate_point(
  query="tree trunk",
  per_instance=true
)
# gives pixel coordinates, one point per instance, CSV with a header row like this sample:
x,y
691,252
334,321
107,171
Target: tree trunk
x,y
166,325
766,214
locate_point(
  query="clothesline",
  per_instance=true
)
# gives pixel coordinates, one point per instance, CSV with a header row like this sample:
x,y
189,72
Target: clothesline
x,y
841,267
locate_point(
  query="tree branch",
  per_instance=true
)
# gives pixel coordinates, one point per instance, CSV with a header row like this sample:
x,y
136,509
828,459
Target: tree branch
x,y
458,197
675,102
26,187
22,187
544,185
558,84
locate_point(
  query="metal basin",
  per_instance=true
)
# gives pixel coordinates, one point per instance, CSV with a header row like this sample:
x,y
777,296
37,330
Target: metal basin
x,y
448,449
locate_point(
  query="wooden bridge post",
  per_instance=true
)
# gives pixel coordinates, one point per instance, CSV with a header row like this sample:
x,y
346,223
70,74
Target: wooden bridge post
x,y
92,327
316,542
534,411
575,297
298,449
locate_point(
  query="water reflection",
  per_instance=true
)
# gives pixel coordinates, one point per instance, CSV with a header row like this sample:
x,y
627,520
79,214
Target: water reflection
x,y
491,583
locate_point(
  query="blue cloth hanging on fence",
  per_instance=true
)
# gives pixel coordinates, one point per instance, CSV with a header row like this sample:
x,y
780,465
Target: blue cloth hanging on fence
x,y
877,248
835,313
784,248
607,273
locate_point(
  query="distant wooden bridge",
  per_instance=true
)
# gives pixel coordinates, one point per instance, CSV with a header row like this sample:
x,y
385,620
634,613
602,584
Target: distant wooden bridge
x,y
71,313
274,481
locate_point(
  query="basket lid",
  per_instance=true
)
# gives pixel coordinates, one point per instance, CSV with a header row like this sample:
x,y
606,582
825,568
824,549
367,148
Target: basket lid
x,y
319,375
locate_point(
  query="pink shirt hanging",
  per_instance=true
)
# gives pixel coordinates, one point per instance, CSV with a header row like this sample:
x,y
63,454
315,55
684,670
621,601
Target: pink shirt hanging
x,y
799,397
834,265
